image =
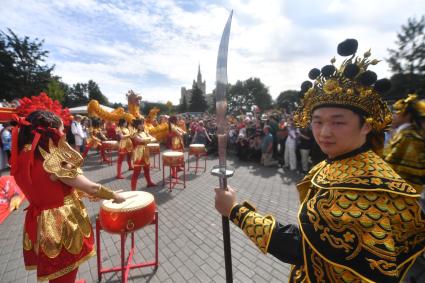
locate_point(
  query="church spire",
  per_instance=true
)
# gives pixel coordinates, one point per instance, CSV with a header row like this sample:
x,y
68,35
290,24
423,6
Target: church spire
x,y
199,79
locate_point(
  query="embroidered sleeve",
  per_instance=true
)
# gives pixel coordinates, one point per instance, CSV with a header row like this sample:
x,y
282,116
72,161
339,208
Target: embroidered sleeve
x,y
282,241
63,161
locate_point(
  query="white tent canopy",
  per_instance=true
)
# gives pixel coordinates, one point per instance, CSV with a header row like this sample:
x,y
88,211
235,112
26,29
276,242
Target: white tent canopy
x,y
83,109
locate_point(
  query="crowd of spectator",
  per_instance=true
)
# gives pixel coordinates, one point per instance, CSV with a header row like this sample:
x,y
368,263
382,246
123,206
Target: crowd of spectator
x,y
267,140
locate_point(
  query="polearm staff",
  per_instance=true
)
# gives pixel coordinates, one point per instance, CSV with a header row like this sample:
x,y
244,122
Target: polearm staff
x,y
221,108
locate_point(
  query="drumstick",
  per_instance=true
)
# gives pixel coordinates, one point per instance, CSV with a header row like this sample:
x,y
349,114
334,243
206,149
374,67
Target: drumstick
x,y
132,196
119,191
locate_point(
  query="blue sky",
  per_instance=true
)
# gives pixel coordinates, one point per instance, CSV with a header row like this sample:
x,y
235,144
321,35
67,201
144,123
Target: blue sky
x,y
154,46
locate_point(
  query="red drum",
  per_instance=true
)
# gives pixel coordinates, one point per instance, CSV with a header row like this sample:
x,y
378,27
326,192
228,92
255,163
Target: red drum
x,y
153,148
173,158
110,144
136,212
196,149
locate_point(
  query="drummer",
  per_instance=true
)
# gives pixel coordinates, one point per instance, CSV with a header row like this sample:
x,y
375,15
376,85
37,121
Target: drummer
x,y
125,146
58,235
141,153
175,140
95,139
175,135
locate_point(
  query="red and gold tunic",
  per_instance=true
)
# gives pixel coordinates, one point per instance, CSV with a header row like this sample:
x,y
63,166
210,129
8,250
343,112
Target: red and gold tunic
x,y
93,140
141,151
125,145
58,236
175,138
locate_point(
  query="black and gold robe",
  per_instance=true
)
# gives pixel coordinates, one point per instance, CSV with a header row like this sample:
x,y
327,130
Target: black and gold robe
x,y
358,222
405,153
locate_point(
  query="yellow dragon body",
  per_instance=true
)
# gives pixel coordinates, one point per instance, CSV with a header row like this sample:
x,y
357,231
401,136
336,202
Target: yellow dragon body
x,y
159,132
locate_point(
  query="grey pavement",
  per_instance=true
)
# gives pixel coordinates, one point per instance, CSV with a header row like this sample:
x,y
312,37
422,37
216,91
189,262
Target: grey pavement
x,y
190,235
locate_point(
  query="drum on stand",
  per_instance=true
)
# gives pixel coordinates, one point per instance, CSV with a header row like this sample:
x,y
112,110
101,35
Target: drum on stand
x,y
197,149
111,145
153,148
136,212
173,158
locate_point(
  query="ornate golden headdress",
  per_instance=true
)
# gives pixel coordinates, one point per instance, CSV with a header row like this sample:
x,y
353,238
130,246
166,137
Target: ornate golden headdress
x,y
402,105
350,86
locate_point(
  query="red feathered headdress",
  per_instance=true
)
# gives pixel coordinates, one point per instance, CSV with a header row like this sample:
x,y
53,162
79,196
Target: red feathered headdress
x,y
43,102
26,107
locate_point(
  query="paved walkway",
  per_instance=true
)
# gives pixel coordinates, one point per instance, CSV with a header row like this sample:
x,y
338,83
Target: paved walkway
x,y
190,235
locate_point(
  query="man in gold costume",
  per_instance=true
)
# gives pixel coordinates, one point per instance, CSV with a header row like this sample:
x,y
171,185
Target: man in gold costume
x,y
405,151
359,221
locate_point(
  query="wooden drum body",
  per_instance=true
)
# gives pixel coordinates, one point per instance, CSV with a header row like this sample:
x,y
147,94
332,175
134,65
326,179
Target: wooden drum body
x,y
196,149
153,148
173,158
110,144
136,212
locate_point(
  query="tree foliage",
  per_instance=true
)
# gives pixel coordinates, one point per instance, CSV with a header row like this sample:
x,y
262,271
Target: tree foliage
x,y
243,95
77,96
23,71
146,106
95,93
183,105
197,101
288,100
262,97
55,90
407,61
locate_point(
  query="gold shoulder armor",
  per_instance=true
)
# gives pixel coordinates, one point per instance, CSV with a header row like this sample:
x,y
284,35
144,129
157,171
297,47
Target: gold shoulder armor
x,y
62,160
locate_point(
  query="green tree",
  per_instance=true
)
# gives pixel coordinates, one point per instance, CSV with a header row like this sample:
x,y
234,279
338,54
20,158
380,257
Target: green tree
x,y
260,92
197,102
95,93
211,108
407,61
7,71
243,95
22,68
147,106
238,99
288,100
77,96
183,105
55,90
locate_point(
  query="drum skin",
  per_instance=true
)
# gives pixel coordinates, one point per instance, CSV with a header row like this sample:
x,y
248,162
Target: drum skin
x,y
196,149
128,219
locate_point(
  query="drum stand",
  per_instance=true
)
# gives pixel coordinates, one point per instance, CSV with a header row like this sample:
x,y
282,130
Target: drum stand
x,y
154,155
125,266
108,154
197,155
174,181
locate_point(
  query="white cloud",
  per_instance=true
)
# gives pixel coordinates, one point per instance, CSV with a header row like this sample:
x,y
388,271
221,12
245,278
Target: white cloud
x,y
120,43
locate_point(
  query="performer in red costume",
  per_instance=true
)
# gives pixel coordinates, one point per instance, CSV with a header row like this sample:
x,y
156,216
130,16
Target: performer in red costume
x,y
175,140
141,154
95,140
125,146
58,236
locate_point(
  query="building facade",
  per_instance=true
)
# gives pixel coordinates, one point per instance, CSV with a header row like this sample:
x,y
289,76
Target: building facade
x,y
187,93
